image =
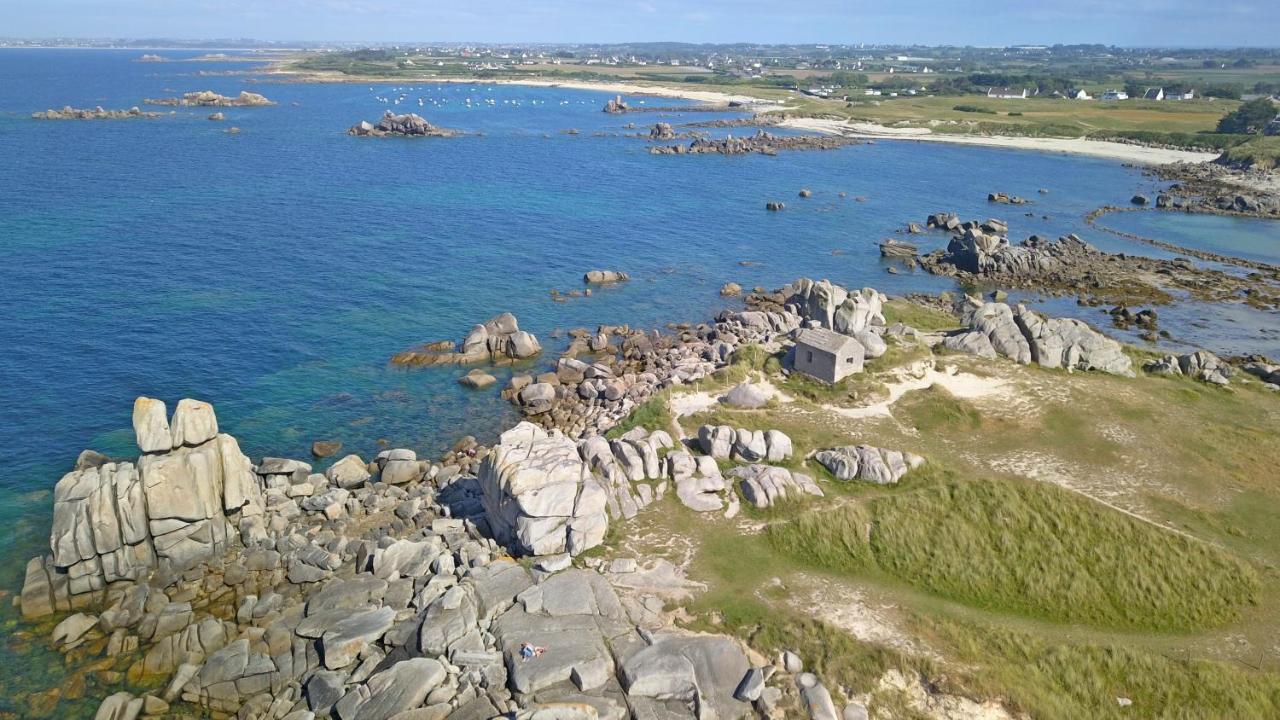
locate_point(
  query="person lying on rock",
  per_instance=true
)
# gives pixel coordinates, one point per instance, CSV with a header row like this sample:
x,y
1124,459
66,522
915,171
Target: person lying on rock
x,y
529,651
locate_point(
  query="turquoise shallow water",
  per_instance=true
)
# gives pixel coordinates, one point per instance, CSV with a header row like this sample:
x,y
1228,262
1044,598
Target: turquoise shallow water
x,y
274,272
1249,238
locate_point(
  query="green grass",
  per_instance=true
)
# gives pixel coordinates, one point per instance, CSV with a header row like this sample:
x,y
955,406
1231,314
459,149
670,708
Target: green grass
x,y
654,414
1262,153
925,319
1031,549
852,390
934,408
1066,681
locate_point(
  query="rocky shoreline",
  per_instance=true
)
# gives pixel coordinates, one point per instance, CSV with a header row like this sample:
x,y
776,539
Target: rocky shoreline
x,y
390,588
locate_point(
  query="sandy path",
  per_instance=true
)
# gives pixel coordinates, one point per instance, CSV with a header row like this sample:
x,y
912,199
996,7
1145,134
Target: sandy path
x,y
1072,146
924,376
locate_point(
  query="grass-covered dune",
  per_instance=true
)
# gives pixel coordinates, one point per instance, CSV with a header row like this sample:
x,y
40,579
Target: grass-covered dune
x,y
1028,548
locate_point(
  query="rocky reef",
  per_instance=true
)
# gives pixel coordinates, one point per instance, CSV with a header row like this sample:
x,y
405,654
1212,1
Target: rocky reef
x,y
208,98
97,113
762,142
1218,189
497,340
616,105
980,253
391,124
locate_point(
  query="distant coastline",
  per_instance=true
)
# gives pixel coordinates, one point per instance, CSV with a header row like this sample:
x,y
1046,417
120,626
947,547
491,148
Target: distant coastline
x,y
1076,146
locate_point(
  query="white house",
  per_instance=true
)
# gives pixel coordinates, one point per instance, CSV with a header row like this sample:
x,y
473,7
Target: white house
x,y
1153,94
1115,95
1078,95
1005,93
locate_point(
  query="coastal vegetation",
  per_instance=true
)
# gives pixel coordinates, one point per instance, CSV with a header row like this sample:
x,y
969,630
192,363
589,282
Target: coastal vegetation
x,y
1027,548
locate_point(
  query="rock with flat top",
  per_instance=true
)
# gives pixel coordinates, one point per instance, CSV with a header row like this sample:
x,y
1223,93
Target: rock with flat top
x,y
194,423
348,637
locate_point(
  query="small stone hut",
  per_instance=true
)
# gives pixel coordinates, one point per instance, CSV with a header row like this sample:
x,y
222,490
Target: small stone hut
x,y
827,356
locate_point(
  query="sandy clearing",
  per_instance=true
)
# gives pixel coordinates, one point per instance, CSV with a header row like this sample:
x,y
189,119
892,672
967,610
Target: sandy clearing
x,y
1071,146
921,376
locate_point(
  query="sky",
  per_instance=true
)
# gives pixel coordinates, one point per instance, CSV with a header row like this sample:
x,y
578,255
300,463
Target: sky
x,y
1142,23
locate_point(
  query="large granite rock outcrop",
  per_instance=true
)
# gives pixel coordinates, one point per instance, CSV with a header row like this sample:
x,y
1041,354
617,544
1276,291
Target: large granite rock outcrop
x,y
1024,336
540,496
186,500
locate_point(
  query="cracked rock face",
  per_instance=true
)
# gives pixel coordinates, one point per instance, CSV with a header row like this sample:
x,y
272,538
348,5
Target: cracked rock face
x,y
540,496
1021,335
180,504
867,463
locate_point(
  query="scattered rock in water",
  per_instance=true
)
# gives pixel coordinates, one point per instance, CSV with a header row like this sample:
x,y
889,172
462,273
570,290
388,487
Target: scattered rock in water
x,y
662,131
97,113
208,98
217,117
604,277
762,142
774,206
408,125
477,379
1139,200
1006,199
806,193
615,106
325,448
730,289
891,248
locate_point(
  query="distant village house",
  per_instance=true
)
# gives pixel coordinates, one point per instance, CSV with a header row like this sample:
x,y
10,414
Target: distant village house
x,y
1005,93
1153,94
1115,95
827,356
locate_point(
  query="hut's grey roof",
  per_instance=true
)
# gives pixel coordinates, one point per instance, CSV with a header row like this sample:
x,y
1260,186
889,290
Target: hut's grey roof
x,y
823,339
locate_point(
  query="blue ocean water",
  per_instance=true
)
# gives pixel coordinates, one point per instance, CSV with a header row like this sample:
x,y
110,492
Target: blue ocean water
x,y
273,272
